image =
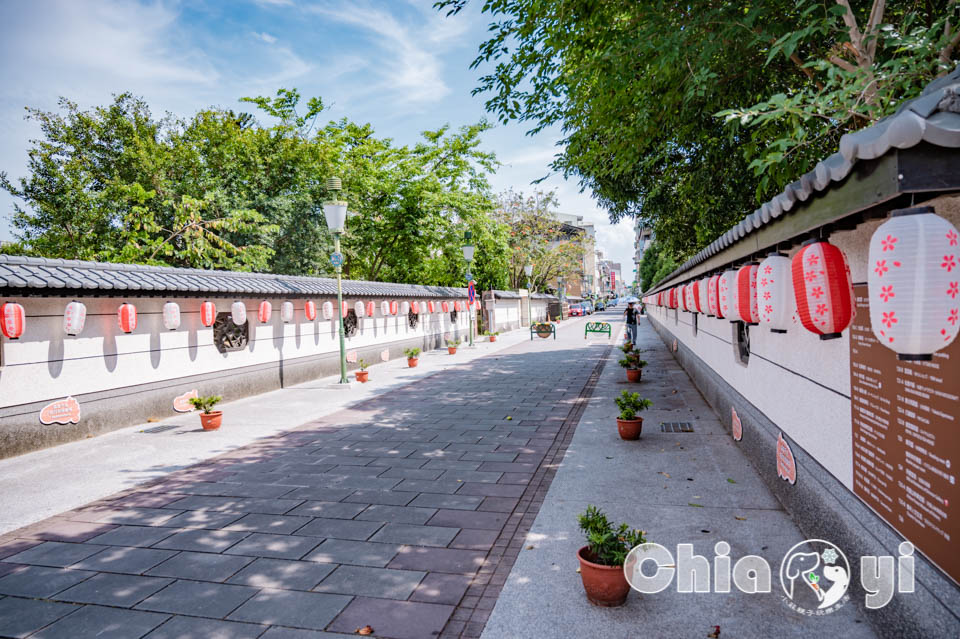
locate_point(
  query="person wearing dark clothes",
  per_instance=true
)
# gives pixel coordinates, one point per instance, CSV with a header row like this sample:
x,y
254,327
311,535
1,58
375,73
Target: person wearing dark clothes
x,y
631,314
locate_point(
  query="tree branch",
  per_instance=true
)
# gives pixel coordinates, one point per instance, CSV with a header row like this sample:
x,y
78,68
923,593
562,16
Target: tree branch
x,y
843,64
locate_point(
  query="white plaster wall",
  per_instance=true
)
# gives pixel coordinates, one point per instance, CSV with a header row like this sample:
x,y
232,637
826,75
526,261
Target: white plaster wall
x,y
46,364
507,313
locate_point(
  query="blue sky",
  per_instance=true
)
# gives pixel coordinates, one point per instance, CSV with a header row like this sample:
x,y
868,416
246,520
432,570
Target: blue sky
x,y
397,64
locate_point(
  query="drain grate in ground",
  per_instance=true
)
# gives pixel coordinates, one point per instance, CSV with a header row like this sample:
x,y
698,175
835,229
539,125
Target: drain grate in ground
x,y
676,427
159,429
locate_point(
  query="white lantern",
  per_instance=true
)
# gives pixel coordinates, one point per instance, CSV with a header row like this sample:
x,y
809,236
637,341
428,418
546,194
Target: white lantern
x,y
74,317
713,298
171,316
327,309
702,293
776,303
726,295
914,283
286,312
238,313
384,308
690,297
405,308
358,309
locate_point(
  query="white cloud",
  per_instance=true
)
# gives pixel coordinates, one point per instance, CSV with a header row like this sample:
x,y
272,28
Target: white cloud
x,y
265,37
274,3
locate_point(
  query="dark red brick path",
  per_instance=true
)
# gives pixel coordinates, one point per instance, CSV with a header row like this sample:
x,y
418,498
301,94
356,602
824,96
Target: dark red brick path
x,y
405,512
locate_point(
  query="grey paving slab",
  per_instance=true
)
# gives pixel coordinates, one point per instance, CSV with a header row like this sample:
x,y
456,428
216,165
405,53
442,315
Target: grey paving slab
x,y
202,519
132,536
55,553
436,500
282,574
371,582
20,617
237,504
395,619
102,623
135,516
397,514
202,540
200,566
113,590
360,553
309,610
319,494
40,582
442,588
340,528
416,535
268,523
277,632
327,509
426,486
197,628
385,497
199,599
276,546
438,560
123,559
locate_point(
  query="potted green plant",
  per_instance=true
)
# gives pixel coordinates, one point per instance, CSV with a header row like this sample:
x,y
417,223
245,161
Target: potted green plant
x,y
209,419
413,356
602,559
452,346
628,423
631,362
363,374
492,335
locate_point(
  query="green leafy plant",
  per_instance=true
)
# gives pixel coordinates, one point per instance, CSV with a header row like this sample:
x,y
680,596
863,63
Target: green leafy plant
x,y
491,333
363,364
205,404
411,353
453,343
630,404
608,545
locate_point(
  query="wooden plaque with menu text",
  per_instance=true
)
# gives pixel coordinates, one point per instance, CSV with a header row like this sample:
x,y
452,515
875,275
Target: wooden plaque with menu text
x,y
906,440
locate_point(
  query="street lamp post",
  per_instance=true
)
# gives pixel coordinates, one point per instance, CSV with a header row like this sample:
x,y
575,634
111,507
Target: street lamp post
x,y
528,269
468,250
336,213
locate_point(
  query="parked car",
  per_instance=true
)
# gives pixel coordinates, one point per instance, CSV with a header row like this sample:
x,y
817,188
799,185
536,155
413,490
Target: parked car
x,y
588,308
576,310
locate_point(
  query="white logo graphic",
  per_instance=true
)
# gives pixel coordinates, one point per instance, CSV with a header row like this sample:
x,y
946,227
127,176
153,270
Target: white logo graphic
x,y
815,575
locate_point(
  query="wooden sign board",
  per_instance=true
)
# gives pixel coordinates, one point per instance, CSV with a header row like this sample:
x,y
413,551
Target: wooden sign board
x,y
906,439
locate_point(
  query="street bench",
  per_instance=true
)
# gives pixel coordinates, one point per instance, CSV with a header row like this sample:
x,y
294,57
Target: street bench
x,y
543,329
598,327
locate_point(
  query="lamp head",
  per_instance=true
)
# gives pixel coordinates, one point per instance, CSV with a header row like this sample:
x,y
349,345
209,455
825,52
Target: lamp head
x,y
528,269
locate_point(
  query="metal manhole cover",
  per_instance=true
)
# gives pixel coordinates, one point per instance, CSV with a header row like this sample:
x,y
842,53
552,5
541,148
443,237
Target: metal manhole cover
x,y
159,429
676,427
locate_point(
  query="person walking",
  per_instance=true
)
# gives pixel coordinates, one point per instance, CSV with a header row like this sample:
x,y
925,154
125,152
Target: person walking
x,y
631,314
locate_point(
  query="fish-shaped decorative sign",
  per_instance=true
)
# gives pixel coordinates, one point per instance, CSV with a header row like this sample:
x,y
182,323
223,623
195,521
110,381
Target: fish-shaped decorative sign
x,y
64,411
181,403
786,465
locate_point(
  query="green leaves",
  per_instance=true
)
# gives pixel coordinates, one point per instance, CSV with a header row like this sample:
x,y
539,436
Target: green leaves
x,y
630,404
609,546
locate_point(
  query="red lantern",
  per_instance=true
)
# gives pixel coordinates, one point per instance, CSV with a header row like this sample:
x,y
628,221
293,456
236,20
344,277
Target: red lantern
x,y
415,307
127,317
822,287
344,310
208,313
695,294
673,297
265,311
430,307
310,310
445,306
747,294
371,309
14,319
394,307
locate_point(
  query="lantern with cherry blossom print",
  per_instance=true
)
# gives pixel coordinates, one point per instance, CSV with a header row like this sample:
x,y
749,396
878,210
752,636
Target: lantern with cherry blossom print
x,y
747,294
371,309
74,318
265,312
713,297
344,309
682,297
238,313
822,288
445,306
457,306
208,313
776,303
672,298
171,316
358,309
14,319
127,317
404,308
394,307
310,310
286,312
690,297
726,295
415,308
327,309
702,288
384,308
914,283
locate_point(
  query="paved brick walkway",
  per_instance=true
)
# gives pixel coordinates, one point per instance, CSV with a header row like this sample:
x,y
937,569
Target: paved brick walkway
x,y
404,513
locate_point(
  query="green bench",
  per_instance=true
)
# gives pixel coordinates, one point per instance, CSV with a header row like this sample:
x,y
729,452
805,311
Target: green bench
x,y
543,329
598,327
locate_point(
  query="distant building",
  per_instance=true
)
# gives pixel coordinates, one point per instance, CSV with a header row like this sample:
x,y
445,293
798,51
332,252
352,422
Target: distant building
x,y
584,282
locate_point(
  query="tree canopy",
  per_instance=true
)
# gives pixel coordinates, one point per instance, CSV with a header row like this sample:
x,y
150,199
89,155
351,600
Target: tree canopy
x,y
686,115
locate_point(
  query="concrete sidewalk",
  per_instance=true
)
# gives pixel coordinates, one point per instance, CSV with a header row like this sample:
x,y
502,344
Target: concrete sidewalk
x,y
679,487
32,486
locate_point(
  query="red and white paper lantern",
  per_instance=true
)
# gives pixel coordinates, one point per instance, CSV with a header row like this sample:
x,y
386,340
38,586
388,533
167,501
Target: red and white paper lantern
x,y
415,308
358,309
286,312
445,305
431,308
713,297
747,294
690,296
327,309
384,308
208,313
726,291
371,309
703,301
127,317
14,320
238,313
404,308
914,283
265,312
822,288
344,309
310,310
776,303
74,318
394,307
682,297
171,316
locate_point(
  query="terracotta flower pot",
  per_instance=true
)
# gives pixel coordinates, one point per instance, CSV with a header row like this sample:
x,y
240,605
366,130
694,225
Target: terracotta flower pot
x,y
630,428
211,421
633,374
452,350
605,585
412,362
493,338
362,376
